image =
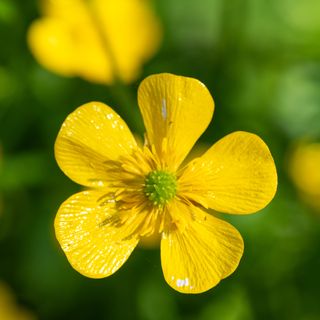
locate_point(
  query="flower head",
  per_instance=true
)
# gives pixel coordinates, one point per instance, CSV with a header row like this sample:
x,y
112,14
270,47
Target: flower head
x,y
305,172
9,308
136,192
93,39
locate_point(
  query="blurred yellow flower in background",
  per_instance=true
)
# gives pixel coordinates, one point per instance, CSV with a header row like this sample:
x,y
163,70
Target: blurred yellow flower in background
x,y
1,204
98,40
137,192
304,170
9,309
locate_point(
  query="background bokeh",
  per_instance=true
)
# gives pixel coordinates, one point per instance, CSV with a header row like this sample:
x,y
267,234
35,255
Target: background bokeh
x,y
261,62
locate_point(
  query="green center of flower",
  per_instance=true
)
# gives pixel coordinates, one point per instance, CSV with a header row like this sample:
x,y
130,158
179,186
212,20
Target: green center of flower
x,y
160,187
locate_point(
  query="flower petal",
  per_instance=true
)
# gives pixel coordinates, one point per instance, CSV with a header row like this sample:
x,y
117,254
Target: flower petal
x,y
122,21
95,41
176,110
93,246
90,137
236,175
194,259
50,42
69,44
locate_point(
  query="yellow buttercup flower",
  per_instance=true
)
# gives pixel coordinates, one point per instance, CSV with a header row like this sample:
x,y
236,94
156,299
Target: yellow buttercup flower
x,y
9,309
1,203
305,171
135,192
97,40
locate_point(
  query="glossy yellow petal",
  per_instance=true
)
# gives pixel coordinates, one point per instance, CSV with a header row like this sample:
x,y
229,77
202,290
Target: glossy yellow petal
x,y
94,245
50,42
91,136
236,175
197,257
176,110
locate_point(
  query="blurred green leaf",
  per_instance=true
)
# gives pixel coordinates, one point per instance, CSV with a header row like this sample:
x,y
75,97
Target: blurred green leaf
x,y
8,11
154,303
23,170
234,305
296,107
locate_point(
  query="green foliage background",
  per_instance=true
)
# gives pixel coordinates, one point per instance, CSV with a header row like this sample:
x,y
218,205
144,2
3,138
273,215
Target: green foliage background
x,y
260,60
